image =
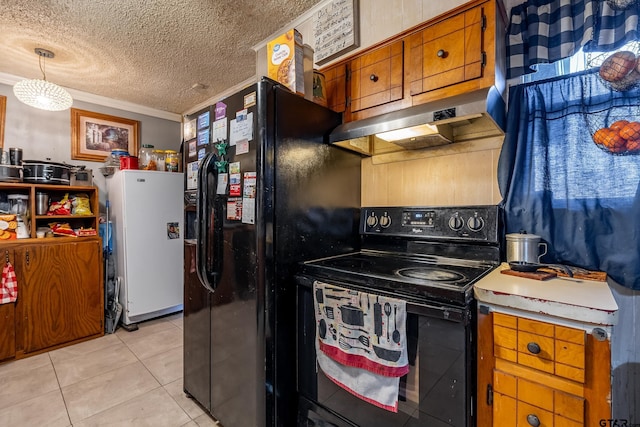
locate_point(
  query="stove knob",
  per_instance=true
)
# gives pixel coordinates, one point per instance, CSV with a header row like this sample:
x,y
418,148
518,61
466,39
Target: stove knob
x,y
372,221
385,221
455,222
475,223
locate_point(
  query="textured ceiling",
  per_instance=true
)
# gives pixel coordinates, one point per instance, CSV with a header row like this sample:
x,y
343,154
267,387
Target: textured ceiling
x,y
149,52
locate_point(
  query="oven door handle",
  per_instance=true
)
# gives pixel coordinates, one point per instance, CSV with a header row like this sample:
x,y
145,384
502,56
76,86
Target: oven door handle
x,y
427,308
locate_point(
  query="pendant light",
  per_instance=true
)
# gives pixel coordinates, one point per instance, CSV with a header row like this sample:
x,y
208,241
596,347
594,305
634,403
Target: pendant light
x,y
41,93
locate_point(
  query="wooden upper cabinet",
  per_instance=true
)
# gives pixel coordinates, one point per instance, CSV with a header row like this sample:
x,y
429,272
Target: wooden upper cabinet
x,y
447,53
376,78
460,51
335,79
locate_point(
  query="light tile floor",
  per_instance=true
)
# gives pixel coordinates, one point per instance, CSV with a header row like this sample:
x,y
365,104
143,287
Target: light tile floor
x,y
122,379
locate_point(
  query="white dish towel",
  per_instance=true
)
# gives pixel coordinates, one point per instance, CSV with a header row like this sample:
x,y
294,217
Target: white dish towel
x,y
361,342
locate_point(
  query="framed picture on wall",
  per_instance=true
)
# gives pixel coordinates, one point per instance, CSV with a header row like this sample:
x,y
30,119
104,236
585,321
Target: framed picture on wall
x,y
94,135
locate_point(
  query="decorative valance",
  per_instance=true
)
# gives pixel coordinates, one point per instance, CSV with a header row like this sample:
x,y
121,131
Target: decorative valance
x,y
545,31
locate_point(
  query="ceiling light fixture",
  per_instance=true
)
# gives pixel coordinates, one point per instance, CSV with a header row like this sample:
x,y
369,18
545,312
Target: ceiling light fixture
x,y
41,93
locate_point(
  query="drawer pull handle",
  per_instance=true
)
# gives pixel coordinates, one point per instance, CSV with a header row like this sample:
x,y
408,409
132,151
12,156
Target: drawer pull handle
x,y
442,53
533,420
533,348
373,78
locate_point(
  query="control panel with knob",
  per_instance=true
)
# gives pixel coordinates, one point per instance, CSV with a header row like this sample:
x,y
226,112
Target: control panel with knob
x,y
372,220
385,220
478,223
455,222
475,223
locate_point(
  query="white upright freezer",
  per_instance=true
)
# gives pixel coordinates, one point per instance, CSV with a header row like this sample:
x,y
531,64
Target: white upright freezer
x,y
146,209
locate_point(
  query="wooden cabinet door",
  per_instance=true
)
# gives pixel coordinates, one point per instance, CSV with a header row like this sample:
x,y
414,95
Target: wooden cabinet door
x,y
7,331
377,77
335,79
447,53
61,291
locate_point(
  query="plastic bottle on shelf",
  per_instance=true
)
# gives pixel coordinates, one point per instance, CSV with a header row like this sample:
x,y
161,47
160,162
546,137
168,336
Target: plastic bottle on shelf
x,y
146,160
171,161
159,155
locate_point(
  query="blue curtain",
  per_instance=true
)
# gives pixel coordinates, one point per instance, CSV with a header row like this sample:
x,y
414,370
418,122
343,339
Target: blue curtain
x,y
557,183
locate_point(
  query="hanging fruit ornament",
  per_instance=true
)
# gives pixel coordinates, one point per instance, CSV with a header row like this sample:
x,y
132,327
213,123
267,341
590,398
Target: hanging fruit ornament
x,y
619,70
621,137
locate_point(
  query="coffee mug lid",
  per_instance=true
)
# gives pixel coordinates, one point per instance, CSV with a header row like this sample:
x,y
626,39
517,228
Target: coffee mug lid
x,y
522,236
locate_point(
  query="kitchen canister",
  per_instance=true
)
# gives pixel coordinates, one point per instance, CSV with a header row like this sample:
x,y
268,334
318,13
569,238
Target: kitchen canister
x,y
15,156
128,162
319,88
171,161
523,247
146,161
42,203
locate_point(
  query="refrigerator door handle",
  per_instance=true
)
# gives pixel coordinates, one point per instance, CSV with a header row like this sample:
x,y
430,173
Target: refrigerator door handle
x,y
207,219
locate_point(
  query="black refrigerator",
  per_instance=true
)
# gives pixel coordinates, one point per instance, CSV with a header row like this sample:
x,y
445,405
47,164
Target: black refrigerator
x,y
269,192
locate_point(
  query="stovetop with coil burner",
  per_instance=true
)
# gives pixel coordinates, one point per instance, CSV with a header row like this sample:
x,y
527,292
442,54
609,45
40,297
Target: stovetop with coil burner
x,y
421,253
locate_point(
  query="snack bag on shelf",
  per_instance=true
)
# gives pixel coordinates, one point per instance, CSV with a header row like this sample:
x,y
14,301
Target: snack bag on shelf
x,y
81,205
62,229
86,231
63,207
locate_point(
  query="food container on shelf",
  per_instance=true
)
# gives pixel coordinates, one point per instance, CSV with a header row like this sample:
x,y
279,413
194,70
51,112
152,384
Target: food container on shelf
x,y
10,173
114,157
15,156
45,172
172,161
159,154
146,160
128,162
42,203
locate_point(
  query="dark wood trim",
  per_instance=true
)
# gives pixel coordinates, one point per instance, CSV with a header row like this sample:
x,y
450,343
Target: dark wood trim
x,y
597,388
485,365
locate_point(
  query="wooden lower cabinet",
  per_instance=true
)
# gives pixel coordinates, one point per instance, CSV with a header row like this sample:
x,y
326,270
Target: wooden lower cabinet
x,y
534,373
60,294
7,331
520,402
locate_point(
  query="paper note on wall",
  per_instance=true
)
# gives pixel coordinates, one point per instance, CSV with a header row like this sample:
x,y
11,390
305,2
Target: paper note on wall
x,y
241,128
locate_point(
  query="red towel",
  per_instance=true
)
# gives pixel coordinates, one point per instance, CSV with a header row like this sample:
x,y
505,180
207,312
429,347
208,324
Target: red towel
x,y
9,288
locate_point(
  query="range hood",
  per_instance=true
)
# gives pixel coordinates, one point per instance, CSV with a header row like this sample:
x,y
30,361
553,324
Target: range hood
x,y
463,117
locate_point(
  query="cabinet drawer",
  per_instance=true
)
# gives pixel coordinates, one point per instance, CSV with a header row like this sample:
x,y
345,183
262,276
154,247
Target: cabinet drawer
x,y
552,407
540,345
377,77
526,414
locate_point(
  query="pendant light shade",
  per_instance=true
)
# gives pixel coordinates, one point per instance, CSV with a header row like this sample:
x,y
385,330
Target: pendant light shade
x,y
40,93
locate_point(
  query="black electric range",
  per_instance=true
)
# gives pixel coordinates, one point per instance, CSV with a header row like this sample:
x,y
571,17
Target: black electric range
x,y
430,257
425,253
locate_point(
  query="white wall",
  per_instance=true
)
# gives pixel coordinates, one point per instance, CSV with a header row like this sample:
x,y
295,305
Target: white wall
x,y
46,135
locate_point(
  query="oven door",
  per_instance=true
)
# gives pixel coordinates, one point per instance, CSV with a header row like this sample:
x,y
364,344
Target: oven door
x,y
436,392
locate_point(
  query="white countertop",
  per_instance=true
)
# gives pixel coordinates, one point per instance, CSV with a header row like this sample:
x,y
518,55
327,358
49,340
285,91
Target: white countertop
x,y
575,300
